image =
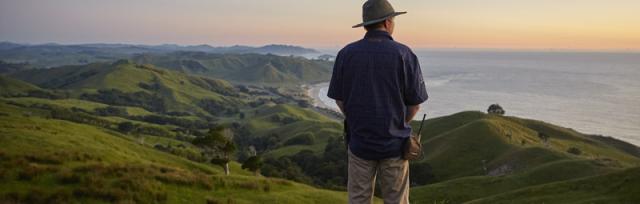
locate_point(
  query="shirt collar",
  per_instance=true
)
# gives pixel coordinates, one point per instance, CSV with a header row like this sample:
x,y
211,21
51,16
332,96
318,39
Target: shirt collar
x,y
378,34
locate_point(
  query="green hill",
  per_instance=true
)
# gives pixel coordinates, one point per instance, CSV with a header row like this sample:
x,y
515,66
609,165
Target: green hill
x,y
107,132
49,160
8,68
285,123
169,109
12,87
617,187
472,155
128,84
245,68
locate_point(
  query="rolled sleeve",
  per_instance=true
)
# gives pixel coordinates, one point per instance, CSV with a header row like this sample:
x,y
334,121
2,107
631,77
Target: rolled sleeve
x,y
335,86
415,89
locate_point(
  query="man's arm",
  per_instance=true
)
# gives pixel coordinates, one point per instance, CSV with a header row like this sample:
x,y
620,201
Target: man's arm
x,y
341,106
411,112
415,90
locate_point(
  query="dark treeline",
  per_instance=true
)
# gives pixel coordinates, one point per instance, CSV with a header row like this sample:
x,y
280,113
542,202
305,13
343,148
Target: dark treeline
x,y
150,102
327,170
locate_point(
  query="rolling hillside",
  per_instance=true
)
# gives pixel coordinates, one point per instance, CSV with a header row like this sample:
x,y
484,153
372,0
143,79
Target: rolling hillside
x,y
618,187
128,84
472,156
8,68
168,108
48,160
122,131
13,87
287,123
245,68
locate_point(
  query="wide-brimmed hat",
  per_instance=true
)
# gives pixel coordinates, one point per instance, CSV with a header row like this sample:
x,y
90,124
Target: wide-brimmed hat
x,y
374,11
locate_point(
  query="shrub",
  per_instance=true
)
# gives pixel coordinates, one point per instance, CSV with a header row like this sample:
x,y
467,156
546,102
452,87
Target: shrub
x,y
11,197
266,187
126,127
253,164
150,102
66,176
43,159
212,201
302,139
109,195
177,121
218,108
60,196
31,171
150,130
77,117
111,111
250,185
574,150
35,195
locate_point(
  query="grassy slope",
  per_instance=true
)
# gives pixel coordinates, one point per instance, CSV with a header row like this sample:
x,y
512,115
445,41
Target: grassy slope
x,y
52,159
473,187
618,187
70,103
9,86
456,145
246,68
179,91
306,121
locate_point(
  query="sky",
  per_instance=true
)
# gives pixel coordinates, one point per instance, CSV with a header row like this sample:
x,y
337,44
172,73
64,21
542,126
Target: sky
x,y
508,24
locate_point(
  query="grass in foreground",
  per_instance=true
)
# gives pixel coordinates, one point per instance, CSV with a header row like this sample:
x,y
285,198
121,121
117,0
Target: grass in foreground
x,y
45,160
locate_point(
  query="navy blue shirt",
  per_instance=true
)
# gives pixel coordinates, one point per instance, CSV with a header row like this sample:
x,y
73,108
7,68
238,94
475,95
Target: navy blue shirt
x,y
377,78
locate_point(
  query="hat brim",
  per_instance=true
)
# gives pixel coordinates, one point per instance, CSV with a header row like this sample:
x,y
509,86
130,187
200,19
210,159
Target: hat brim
x,y
379,19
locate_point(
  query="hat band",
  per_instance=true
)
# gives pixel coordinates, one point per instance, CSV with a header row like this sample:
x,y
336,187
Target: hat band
x,y
365,23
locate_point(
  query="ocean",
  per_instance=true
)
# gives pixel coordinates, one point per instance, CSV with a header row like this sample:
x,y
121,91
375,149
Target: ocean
x,y
591,92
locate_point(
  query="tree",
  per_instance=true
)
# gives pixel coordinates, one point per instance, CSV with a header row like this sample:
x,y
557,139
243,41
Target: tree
x,y
253,164
306,138
126,127
111,111
495,109
544,137
227,151
574,150
217,145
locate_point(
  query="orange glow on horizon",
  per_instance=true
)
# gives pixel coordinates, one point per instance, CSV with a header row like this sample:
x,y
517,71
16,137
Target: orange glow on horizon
x,y
539,24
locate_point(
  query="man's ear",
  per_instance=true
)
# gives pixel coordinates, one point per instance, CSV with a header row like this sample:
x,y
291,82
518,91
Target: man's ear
x,y
387,23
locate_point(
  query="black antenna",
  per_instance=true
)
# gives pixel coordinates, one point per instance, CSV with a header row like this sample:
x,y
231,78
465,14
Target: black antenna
x,y
421,123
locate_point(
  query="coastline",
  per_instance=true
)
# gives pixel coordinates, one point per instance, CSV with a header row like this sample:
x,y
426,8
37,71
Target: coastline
x,y
313,92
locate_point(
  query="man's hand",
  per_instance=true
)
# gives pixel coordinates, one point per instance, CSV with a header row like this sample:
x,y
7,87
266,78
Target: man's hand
x,y
411,112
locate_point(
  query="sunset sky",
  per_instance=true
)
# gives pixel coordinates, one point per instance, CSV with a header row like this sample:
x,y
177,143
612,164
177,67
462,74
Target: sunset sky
x,y
518,24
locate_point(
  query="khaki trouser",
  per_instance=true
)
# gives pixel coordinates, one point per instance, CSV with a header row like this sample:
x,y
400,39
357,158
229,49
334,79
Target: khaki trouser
x,y
393,174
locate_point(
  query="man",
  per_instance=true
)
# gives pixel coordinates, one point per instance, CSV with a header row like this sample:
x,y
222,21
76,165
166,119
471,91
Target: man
x,y
378,86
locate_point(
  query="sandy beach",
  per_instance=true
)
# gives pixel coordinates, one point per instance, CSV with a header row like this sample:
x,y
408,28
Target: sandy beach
x,y
317,93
